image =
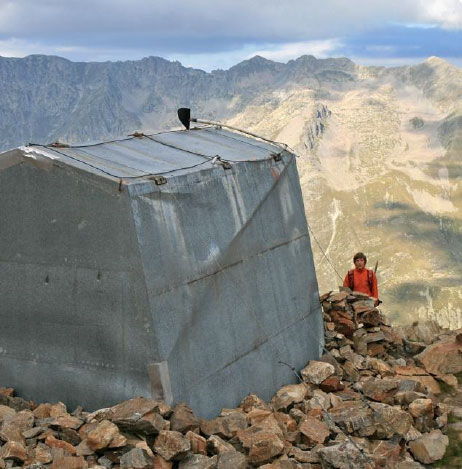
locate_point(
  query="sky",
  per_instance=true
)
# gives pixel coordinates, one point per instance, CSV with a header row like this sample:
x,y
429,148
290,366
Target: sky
x,y
216,34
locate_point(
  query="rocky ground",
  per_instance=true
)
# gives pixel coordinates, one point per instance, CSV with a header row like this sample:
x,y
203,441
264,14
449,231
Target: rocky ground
x,y
379,397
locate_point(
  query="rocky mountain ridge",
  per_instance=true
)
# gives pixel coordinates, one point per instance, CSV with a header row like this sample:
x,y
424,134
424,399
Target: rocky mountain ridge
x,y
380,149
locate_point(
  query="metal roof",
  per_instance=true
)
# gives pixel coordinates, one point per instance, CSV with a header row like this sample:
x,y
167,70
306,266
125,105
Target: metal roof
x,y
167,153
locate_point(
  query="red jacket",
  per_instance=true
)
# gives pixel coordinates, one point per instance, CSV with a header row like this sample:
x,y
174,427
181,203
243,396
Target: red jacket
x,y
361,283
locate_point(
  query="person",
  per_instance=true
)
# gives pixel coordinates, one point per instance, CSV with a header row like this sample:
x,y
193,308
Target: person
x,y
361,279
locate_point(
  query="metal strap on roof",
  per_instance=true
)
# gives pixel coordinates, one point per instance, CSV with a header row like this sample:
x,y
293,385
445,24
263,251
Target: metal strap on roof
x,y
141,155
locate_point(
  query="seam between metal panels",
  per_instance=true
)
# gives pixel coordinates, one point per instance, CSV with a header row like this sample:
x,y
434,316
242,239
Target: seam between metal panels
x,y
68,266
143,273
78,367
255,347
202,177
250,217
226,267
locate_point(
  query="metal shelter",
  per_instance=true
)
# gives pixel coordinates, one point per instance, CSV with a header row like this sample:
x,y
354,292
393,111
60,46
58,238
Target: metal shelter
x,y
175,265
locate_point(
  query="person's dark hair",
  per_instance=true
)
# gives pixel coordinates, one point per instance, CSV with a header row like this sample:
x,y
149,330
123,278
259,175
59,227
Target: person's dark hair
x,y
360,255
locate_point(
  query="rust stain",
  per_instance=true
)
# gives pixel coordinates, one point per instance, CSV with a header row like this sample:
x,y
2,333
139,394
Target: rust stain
x,y
275,173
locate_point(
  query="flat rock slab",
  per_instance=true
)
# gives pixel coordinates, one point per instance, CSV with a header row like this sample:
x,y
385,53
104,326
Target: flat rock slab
x,y
441,358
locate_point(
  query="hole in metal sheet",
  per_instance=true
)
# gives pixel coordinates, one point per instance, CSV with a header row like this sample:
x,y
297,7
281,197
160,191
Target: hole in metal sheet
x,y
47,279
98,276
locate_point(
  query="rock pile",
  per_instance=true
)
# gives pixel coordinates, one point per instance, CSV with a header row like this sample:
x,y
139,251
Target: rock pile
x,y
379,397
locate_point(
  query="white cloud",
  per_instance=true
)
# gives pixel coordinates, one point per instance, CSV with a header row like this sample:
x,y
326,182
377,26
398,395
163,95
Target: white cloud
x,y
289,21
277,52
292,50
15,47
445,13
209,34
399,61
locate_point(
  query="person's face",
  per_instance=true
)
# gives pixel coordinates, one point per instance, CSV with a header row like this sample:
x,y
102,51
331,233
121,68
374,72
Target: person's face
x,y
360,263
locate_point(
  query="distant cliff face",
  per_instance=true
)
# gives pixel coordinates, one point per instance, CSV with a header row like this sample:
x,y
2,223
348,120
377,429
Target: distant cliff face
x,y
380,149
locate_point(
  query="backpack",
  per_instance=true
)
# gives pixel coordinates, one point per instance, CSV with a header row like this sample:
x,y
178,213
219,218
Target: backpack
x,y
351,279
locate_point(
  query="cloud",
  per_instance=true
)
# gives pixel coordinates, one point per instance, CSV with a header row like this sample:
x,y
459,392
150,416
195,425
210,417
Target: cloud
x,y
277,52
213,34
444,13
292,50
15,47
265,20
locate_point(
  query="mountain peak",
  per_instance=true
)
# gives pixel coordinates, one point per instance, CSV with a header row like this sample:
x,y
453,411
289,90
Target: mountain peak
x,y
255,64
434,60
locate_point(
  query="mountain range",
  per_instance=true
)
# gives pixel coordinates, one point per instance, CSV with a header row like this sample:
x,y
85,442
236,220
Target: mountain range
x,y
380,149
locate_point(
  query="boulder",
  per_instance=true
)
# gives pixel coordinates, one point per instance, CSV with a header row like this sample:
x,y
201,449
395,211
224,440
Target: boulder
x,y
290,395
351,373
421,407
252,401
320,400
53,443
42,454
232,460
404,398
337,297
225,426
304,456
171,445
215,445
354,417
390,420
314,431
6,412
13,450
66,434
441,358
198,461
430,447
344,455
345,326
332,384
268,424
385,452
380,390
137,415
183,419
136,459
63,461
198,443
421,331
58,409
264,447
428,382
14,424
329,358
66,421
316,372
370,317
106,434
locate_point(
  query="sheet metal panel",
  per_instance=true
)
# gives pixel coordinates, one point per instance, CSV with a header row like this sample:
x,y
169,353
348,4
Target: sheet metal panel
x,y
165,153
238,291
